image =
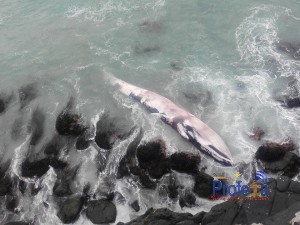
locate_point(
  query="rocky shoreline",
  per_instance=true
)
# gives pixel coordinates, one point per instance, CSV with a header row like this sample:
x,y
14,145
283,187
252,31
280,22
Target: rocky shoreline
x,y
146,163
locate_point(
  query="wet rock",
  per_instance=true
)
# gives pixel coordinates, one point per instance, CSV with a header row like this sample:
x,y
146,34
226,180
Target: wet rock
x,y
187,222
11,203
35,188
17,223
22,186
277,157
129,160
135,205
69,209
271,151
5,180
27,94
173,187
258,134
37,126
83,141
163,216
69,123
65,177
279,209
187,199
203,185
283,183
185,162
39,167
152,157
101,211
292,102
110,129
199,217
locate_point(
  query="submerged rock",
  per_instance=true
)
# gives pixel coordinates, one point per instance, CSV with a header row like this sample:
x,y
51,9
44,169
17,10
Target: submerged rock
x,y
11,203
152,157
5,180
37,126
83,141
27,93
258,134
291,49
69,209
54,146
101,211
292,102
4,101
110,129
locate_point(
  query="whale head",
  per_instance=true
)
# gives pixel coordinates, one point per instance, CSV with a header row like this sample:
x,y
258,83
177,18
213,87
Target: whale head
x,y
206,140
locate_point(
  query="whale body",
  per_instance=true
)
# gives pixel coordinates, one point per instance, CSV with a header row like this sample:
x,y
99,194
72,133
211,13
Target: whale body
x,y
187,125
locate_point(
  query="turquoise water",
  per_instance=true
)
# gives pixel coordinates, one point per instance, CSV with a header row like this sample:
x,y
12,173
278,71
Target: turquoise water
x,y
223,51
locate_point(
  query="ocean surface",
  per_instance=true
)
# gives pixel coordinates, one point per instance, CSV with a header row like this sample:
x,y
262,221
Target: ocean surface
x,y
217,59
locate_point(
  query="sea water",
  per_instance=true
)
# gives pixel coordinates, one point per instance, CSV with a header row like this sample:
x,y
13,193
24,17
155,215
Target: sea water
x,y
216,59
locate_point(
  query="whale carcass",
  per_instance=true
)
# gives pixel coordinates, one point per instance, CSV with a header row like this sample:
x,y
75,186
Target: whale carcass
x,y
187,125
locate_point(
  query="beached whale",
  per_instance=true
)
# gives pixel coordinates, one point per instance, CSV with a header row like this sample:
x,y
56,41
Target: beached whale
x,y
187,125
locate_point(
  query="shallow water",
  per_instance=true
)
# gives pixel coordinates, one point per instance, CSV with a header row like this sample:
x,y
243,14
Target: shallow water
x,y
223,51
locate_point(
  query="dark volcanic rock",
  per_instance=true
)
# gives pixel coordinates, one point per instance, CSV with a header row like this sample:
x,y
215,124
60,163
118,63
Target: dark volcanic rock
x,y
203,185
65,177
37,126
129,160
277,157
101,211
152,157
69,123
27,94
135,205
11,203
2,106
280,209
5,180
161,216
185,162
40,167
17,223
83,141
292,102
187,199
270,152
69,209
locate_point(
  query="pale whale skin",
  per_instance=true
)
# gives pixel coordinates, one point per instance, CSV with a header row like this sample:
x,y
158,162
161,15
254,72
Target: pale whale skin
x,y
187,125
